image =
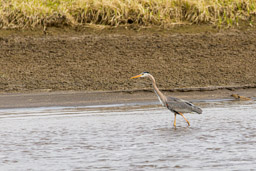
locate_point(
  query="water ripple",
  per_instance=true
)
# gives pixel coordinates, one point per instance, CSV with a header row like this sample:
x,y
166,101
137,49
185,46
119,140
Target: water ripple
x,y
128,138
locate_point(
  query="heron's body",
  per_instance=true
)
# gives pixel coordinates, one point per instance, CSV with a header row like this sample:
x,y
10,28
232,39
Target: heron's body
x,y
176,105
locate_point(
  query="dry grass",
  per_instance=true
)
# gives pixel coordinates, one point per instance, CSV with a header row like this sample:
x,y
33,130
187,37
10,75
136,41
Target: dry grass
x,y
34,13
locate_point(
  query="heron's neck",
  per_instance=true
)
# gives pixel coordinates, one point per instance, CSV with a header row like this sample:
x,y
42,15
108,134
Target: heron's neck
x,y
162,98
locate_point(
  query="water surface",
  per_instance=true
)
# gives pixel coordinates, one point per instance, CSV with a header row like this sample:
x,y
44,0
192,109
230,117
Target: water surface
x,y
128,137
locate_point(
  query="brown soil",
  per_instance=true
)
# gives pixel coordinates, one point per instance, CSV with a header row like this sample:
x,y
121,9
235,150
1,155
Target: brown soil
x,y
89,60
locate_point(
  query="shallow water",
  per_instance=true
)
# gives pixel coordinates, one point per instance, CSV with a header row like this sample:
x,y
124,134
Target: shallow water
x,y
128,137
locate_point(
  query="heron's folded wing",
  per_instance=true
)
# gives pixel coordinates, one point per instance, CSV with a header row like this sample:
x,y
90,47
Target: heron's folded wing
x,y
183,106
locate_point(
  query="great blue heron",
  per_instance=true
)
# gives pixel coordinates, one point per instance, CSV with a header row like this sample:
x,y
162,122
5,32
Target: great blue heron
x,y
175,105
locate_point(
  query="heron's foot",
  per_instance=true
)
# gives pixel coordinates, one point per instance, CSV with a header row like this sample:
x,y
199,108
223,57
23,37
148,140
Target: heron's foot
x,y
188,123
174,124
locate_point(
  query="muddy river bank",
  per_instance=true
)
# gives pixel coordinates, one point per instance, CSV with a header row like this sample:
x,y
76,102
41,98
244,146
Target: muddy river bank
x,y
82,98
104,60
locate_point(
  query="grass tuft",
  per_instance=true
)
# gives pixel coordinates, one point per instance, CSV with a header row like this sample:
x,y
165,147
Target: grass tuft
x,y
34,13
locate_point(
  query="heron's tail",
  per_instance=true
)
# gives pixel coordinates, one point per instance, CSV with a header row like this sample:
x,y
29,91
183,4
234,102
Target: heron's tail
x,y
197,110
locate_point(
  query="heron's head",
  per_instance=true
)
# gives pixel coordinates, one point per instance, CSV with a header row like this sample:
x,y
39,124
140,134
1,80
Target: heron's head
x,y
143,74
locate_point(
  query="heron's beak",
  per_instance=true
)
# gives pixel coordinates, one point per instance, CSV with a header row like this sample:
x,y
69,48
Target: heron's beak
x,y
137,76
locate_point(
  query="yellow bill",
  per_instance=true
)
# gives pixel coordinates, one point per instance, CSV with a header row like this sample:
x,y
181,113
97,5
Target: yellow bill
x,y
137,76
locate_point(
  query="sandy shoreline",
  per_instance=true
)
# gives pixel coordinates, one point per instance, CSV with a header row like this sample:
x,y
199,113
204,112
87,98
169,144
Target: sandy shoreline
x,y
80,98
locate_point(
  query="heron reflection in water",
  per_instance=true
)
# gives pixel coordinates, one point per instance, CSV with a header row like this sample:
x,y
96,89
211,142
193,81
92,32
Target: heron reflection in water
x,y
175,105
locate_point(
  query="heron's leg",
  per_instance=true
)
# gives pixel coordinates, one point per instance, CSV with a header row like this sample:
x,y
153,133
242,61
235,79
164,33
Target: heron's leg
x,y
174,123
185,118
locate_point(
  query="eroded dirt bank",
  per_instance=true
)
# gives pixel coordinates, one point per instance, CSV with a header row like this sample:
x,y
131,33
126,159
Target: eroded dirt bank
x,y
101,60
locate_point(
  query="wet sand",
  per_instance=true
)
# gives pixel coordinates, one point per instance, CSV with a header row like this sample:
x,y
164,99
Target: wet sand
x,y
75,98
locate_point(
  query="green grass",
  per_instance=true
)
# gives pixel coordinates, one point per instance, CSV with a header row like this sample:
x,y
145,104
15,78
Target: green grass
x,y
34,13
